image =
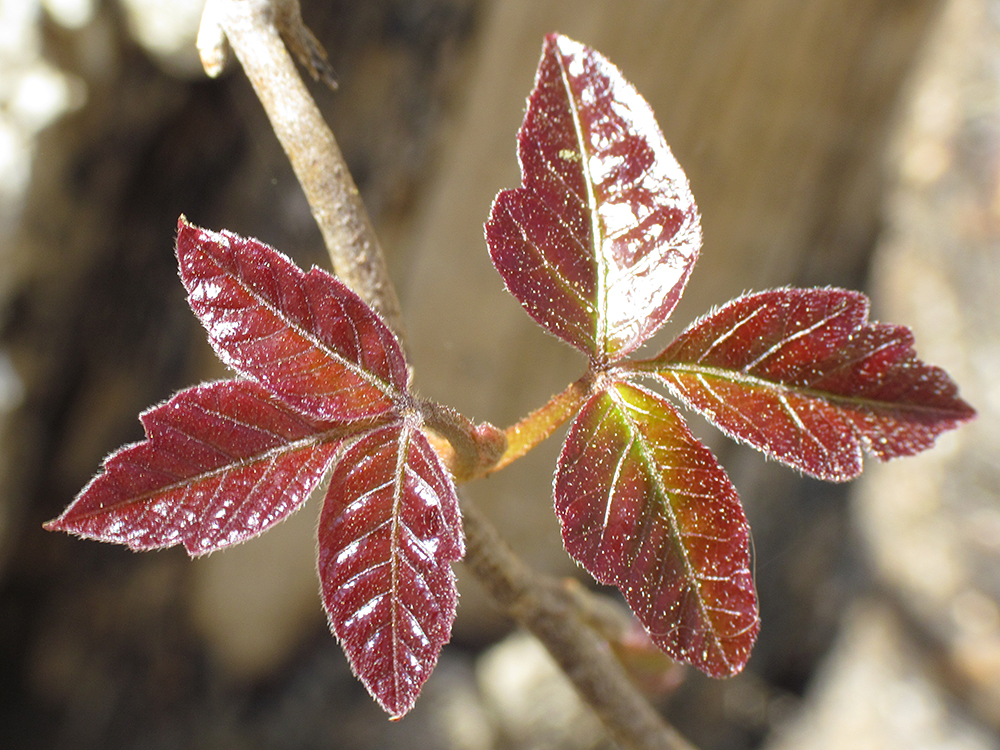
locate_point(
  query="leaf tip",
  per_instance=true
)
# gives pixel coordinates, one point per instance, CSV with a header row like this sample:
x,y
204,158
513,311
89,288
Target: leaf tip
x,y
964,412
185,230
188,238
561,42
54,525
68,521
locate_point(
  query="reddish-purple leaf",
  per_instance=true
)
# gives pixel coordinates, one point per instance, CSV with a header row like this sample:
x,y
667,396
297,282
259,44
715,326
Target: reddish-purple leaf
x,y
389,529
221,463
645,507
803,376
599,241
305,336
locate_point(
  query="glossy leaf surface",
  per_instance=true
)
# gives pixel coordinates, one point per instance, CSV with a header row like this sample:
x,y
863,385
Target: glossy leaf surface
x,y
305,336
221,463
597,245
225,461
645,507
802,375
389,529
599,241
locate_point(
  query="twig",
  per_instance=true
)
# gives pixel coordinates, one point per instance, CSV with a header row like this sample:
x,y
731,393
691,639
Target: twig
x,y
252,29
539,603
545,608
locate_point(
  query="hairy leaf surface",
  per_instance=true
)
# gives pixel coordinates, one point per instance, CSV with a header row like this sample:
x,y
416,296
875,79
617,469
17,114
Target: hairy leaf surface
x,y
305,336
221,463
645,507
389,529
597,245
802,375
599,241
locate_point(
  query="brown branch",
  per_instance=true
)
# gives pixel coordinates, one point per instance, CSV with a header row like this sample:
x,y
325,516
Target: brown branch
x,y
539,603
549,611
252,30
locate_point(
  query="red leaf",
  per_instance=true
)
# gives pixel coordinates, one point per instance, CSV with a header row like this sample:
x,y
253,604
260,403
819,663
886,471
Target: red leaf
x,y
305,336
599,241
645,507
803,376
221,463
389,529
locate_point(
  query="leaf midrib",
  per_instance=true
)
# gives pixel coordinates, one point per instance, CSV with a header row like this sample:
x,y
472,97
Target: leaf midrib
x,y
600,303
649,460
754,382
355,368
315,440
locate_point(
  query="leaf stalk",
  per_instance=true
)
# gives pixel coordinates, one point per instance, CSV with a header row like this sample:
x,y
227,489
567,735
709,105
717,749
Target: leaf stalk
x,y
541,423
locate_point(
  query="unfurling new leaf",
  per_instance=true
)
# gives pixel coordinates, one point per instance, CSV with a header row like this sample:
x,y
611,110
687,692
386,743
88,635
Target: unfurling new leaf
x,y
389,529
221,463
306,337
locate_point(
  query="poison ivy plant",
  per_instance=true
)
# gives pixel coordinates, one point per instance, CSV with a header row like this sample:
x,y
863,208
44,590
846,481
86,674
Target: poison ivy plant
x,y
597,244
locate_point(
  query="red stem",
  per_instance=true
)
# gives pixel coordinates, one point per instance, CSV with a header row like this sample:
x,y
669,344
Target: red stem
x,y
542,422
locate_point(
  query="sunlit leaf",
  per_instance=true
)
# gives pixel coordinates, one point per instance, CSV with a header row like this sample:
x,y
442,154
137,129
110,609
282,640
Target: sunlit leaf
x,y
802,375
305,336
645,507
225,461
389,529
599,241
221,463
